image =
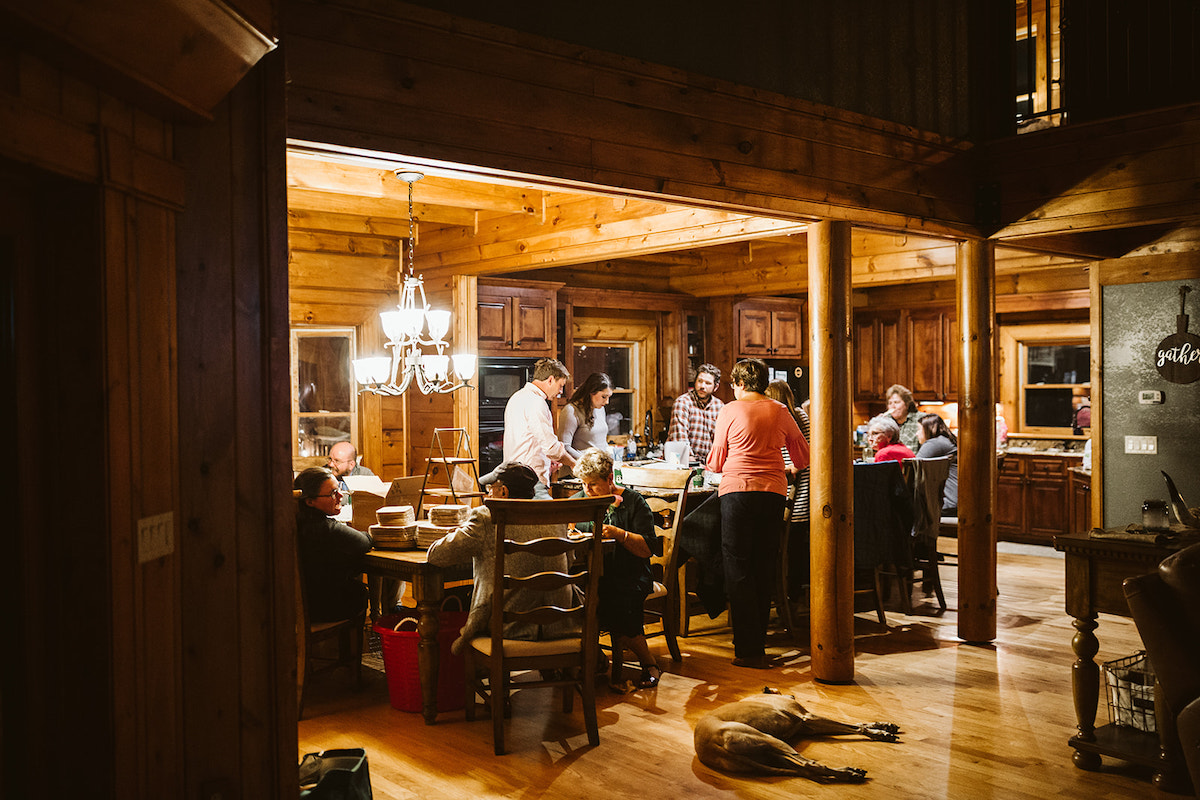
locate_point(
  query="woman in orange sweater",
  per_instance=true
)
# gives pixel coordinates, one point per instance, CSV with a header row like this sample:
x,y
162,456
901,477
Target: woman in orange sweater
x,y
747,451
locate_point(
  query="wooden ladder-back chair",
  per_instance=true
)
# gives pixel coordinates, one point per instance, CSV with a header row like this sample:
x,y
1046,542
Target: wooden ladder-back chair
x,y
666,492
567,662
927,480
347,632
882,528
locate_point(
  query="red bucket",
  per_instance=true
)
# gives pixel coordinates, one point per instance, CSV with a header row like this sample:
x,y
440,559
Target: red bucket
x,y
400,640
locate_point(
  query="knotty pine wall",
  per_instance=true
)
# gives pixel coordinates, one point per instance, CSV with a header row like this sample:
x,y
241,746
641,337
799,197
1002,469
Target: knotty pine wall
x,y
152,291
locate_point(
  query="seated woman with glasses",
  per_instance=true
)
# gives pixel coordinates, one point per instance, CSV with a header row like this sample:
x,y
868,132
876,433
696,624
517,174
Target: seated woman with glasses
x,y
330,551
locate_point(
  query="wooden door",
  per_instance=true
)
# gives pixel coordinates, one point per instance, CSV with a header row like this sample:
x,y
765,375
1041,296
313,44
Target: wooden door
x,y
754,332
787,337
926,356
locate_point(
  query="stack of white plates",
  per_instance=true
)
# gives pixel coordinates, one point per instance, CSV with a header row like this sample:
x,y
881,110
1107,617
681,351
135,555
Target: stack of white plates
x,y
428,533
396,515
448,516
394,537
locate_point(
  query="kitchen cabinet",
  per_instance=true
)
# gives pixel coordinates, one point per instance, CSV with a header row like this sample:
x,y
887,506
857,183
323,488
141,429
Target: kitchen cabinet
x,y
917,349
1032,497
928,360
516,320
879,355
770,328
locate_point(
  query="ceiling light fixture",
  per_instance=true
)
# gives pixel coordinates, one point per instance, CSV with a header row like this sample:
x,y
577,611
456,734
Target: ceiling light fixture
x,y
403,328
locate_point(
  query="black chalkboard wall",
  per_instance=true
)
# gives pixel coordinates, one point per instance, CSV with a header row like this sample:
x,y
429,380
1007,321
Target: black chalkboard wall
x,y
1136,318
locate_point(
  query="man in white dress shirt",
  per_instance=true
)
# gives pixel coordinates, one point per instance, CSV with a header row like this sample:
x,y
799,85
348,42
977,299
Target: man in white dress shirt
x,y
528,424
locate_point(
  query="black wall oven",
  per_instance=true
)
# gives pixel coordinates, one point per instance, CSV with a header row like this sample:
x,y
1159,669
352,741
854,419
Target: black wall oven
x,y
499,379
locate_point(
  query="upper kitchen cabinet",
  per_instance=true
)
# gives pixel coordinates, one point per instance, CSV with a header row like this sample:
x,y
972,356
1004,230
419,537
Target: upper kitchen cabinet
x,y
916,349
517,319
879,354
770,327
928,362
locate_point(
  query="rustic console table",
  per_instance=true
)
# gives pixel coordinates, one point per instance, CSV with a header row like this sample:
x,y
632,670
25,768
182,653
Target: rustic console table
x,y
1095,570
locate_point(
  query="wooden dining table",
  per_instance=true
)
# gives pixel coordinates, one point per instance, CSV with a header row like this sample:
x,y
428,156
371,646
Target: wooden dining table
x,y
429,589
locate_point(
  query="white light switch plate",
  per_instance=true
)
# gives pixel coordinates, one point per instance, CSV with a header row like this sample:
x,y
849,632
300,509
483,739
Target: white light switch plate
x,y
1141,445
156,537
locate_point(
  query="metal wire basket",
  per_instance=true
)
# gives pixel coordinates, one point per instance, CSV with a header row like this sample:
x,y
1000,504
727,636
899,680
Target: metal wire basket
x,y
1130,684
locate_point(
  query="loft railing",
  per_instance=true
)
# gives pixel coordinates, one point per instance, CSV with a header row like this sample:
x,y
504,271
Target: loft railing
x,y
1038,65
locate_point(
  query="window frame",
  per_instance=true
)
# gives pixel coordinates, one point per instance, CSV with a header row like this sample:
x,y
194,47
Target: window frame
x,y
1023,385
296,333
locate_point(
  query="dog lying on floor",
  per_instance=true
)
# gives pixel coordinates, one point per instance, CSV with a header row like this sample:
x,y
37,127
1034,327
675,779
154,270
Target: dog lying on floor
x,y
752,735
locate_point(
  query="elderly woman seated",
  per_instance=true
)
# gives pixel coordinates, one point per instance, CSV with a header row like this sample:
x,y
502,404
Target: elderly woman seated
x,y
882,437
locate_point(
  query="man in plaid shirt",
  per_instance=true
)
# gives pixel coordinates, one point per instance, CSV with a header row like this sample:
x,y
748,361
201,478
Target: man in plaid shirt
x,y
694,415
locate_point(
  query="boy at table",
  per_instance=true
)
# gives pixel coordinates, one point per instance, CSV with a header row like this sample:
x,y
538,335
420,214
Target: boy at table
x,y
475,540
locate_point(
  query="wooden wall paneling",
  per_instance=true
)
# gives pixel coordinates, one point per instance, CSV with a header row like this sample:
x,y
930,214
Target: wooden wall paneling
x,y
237,543
365,273
801,159
394,436
1094,176
370,427
672,360
150,285
721,345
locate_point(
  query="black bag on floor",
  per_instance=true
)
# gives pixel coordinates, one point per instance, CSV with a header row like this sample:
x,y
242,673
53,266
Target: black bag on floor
x,y
335,775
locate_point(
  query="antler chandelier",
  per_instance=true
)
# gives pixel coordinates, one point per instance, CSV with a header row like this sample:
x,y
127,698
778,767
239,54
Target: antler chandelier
x,y
403,328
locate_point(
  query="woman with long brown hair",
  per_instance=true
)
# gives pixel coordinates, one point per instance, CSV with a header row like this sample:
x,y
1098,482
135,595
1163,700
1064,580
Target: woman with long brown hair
x,y
581,423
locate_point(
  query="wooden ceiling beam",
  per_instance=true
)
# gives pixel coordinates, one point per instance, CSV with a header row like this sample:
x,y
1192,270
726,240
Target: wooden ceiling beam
x,y
338,177
379,208
554,244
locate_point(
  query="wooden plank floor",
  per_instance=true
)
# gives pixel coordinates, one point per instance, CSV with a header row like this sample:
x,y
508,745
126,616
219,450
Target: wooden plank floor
x,y
978,721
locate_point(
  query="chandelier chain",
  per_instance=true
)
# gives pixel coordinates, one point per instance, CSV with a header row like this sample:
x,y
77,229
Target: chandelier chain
x,y
412,228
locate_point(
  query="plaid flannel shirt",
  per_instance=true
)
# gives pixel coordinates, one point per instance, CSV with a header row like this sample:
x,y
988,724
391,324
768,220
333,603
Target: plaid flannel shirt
x,y
694,424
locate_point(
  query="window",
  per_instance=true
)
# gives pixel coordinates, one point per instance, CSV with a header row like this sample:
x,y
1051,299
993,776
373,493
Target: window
x,y
1037,69
1055,384
324,397
619,361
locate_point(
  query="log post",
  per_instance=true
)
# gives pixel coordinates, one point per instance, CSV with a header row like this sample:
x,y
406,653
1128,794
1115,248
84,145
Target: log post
x,y
465,294
831,488
977,469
